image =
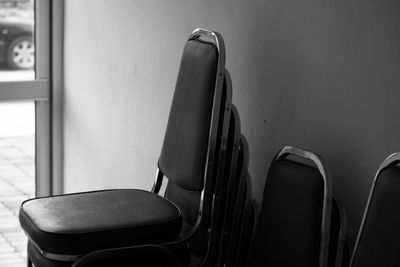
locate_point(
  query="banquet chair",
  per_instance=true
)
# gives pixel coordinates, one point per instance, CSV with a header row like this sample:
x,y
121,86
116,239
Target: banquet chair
x,y
294,223
113,224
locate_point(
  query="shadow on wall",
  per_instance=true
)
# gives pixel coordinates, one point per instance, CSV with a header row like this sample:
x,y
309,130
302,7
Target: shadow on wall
x,y
323,76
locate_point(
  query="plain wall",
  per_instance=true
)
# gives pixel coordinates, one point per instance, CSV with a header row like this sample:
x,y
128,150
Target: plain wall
x,y
322,75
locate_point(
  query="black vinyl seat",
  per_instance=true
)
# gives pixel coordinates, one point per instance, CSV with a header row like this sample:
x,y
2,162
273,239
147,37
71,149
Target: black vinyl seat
x,y
294,222
378,241
76,224
63,229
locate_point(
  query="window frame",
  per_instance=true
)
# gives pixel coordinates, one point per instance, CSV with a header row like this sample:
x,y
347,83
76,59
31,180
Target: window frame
x,y
46,92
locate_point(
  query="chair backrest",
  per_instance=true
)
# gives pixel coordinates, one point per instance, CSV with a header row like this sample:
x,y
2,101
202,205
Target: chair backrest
x,y
192,142
239,189
378,241
337,236
293,227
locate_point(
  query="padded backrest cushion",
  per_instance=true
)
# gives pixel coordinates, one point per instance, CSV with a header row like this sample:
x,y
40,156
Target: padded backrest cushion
x,y
289,228
184,150
379,243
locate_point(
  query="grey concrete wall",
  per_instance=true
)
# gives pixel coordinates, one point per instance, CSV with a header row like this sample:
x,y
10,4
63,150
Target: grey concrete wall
x,y
322,75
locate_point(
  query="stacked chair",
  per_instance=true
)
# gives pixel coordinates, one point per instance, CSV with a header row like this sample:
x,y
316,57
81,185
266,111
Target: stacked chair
x,y
296,216
378,241
221,187
199,157
232,199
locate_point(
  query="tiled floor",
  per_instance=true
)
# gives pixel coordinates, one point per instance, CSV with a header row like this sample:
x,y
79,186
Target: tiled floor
x,y
17,183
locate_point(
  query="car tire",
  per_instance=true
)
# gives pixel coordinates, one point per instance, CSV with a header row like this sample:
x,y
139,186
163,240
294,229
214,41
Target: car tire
x,y
21,53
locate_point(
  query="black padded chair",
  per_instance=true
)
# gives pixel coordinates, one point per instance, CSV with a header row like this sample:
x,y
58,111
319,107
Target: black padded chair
x,y
378,241
113,224
294,223
337,236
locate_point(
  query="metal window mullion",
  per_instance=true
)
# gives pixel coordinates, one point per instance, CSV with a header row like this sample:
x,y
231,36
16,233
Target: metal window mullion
x,y
43,148
43,105
57,84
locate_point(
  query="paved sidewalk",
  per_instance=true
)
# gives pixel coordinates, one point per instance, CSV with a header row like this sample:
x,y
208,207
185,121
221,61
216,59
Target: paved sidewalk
x,y
17,183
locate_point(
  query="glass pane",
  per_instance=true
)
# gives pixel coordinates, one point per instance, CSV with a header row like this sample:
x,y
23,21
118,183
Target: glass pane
x,y
17,176
17,50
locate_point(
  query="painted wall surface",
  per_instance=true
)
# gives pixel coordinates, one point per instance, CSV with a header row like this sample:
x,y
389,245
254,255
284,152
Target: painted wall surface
x,y
322,75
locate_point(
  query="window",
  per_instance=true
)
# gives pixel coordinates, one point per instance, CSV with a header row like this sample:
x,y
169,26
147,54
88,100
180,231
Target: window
x,y
27,100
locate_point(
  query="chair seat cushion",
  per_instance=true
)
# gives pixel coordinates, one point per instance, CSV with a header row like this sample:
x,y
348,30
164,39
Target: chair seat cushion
x,y
76,224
